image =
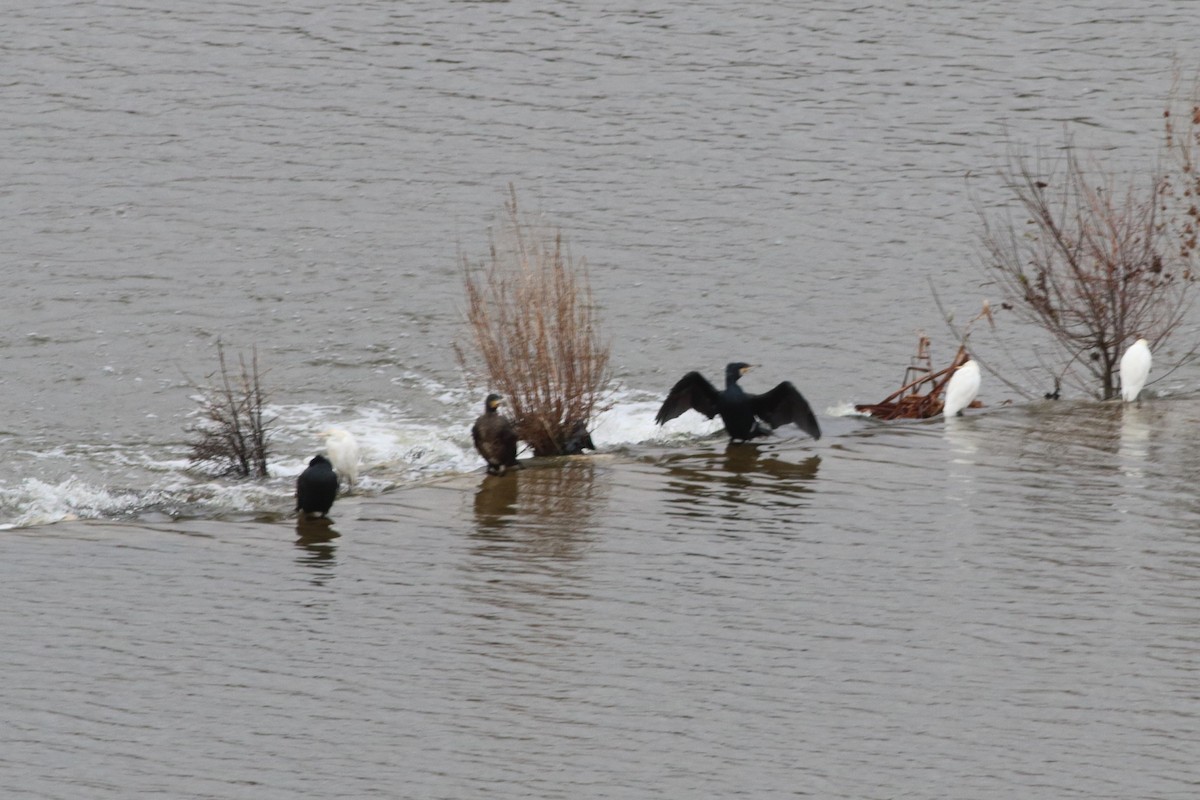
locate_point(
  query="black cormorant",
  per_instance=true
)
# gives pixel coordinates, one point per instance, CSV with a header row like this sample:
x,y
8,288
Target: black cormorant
x,y
494,437
739,410
316,487
578,441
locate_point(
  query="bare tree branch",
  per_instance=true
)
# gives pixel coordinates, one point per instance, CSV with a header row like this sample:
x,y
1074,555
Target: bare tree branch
x,y
534,326
1095,267
233,432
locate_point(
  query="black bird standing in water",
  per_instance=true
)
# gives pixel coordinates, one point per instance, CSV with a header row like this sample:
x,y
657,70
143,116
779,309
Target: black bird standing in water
x,y
494,437
739,410
316,487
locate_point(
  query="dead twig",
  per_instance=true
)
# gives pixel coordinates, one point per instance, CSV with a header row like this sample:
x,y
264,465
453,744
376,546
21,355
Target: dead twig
x,y
233,431
535,328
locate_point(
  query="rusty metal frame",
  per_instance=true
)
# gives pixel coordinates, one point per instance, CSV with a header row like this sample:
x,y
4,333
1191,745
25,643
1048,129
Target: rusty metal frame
x,y
907,402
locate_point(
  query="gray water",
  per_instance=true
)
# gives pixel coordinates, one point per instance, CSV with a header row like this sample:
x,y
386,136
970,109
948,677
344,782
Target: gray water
x,y
998,606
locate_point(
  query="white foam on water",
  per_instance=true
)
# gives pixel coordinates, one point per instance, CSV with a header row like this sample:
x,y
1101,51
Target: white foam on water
x,y
396,450
845,409
390,442
37,502
631,421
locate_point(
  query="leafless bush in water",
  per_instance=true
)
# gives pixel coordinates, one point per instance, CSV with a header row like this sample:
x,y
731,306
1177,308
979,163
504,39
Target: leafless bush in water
x,y
1098,266
1181,183
535,329
233,432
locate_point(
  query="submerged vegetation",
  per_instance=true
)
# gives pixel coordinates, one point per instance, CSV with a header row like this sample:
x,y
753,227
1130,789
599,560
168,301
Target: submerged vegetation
x,y
535,330
233,431
1098,264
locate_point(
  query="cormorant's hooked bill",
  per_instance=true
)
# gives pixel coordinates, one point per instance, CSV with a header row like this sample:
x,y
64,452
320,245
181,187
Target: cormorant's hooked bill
x,y
494,437
316,487
740,411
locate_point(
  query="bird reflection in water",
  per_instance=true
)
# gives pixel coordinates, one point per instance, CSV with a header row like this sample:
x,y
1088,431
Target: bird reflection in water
x,y
541,511
739,473
496,500
1134,441
315,538
748,460
526,569
963,437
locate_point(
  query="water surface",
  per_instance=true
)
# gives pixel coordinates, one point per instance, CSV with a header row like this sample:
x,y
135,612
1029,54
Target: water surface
x,y
992,607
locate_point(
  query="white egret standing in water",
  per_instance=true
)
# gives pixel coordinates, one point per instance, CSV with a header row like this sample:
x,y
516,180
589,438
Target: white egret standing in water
x,y
342,449
963,387
1135,368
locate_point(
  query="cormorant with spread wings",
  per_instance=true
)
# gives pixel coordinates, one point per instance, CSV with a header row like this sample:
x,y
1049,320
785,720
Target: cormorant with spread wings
x,y
742,413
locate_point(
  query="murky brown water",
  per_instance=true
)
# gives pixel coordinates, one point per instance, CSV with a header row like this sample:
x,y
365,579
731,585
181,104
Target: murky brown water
x,y
702,623
1002,606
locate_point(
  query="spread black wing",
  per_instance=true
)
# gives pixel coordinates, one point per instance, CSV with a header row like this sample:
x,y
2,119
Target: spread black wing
x,y
785,404
693,391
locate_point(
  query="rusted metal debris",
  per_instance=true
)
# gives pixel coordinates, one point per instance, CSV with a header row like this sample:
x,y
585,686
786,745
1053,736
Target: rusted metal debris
x,y
908,402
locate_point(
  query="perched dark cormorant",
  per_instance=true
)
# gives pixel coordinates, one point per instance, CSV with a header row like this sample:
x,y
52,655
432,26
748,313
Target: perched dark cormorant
x,y
739,410
494,437
316,487
579,440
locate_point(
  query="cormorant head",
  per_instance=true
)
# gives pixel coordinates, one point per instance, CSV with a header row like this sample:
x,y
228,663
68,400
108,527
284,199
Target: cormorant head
x,y
736,370
492,403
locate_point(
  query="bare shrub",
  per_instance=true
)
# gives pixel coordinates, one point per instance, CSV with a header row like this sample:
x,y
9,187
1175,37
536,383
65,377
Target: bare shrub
x,y
534,327
232,433
1180,193
1096,266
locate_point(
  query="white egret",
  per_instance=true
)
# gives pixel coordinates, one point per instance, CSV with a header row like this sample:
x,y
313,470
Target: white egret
x,y
1135,368
342,449
963,386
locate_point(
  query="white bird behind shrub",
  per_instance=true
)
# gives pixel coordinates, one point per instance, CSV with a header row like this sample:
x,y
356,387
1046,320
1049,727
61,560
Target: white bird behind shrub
x,y
342,449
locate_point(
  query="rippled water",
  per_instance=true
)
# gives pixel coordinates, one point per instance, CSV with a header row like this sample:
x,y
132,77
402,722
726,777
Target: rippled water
x,y
998,606
707,621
